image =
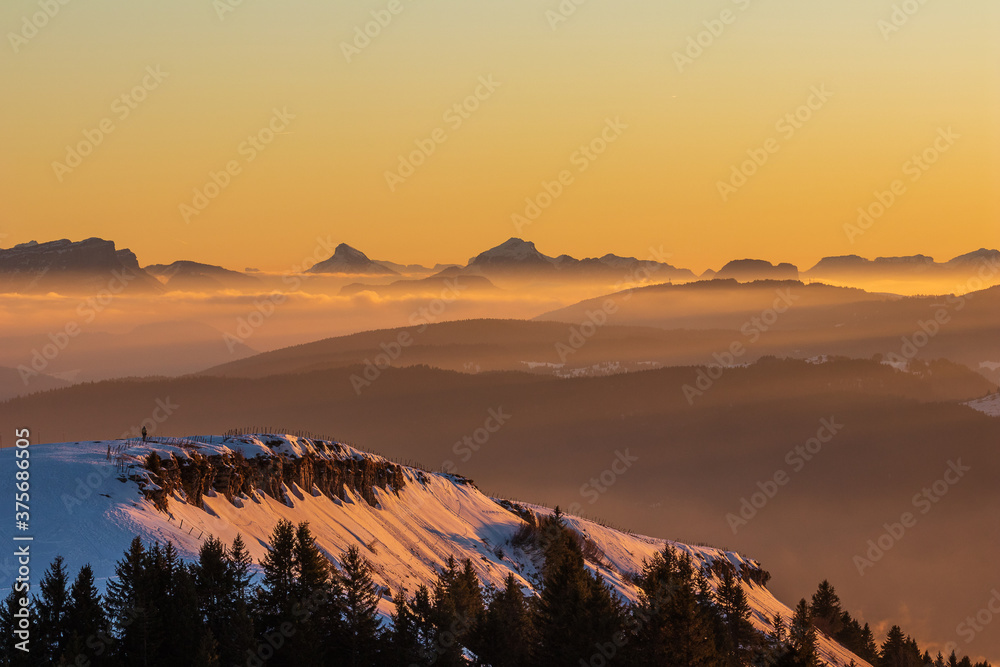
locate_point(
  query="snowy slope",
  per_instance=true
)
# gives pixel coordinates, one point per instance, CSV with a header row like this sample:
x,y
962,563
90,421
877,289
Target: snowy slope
x,y
85,509
989,405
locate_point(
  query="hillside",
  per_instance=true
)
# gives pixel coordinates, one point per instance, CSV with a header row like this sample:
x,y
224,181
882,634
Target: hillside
x,y
406,529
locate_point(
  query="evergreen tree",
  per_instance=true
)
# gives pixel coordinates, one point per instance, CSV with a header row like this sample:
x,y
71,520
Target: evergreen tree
x,y
779,632
361,623
52,607
802,637
423,612
241,564
899,650
86,623
735,608
133,609
826,610
506,637
576,616
404,643
276,594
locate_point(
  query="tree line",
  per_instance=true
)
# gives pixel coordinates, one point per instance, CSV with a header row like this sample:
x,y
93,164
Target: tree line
x,y
305,611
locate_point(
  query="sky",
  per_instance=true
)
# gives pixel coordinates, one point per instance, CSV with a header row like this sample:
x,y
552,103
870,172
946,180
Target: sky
x,y
121,120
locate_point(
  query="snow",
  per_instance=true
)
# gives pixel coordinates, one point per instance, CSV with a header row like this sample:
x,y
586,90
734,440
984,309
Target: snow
x,y
86,509
989,405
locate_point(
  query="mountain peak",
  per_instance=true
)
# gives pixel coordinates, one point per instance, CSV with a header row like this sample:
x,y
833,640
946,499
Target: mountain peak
x,y
513,252
346,259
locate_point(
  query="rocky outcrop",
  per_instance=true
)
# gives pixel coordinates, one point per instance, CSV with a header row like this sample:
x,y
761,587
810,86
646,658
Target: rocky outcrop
x,y
233,476
65,266
748,270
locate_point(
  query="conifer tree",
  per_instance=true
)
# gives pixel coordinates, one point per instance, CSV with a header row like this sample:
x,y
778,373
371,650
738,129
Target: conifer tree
x,y
802,637
133,608
52,607
779,633
240,563
86,623
826,610
506,638
361,623
735,610
278,577
404,643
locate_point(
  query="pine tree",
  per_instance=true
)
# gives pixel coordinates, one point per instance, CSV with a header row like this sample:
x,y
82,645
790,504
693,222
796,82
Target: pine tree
x,y
214,579
826,610
893,652
86,623
241,564
278,580
404,643
133,608
423,613
779,632
735,610
312,569
362,625
506,638
802,637
51,607
447,625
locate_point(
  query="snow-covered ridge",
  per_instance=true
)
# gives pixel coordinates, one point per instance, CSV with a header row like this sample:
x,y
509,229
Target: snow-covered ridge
x,y
90,499
989,405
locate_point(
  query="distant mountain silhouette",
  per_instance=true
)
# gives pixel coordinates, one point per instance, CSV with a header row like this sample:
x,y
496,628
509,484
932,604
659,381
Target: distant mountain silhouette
x,y
184,274
81,267
912,266
519,257
746,270
346,259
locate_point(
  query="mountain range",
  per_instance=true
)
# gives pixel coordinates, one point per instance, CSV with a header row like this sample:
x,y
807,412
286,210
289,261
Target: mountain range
x,y
90,265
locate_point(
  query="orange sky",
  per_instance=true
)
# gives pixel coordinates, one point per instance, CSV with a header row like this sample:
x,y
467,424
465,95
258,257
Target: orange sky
x,y
553,86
